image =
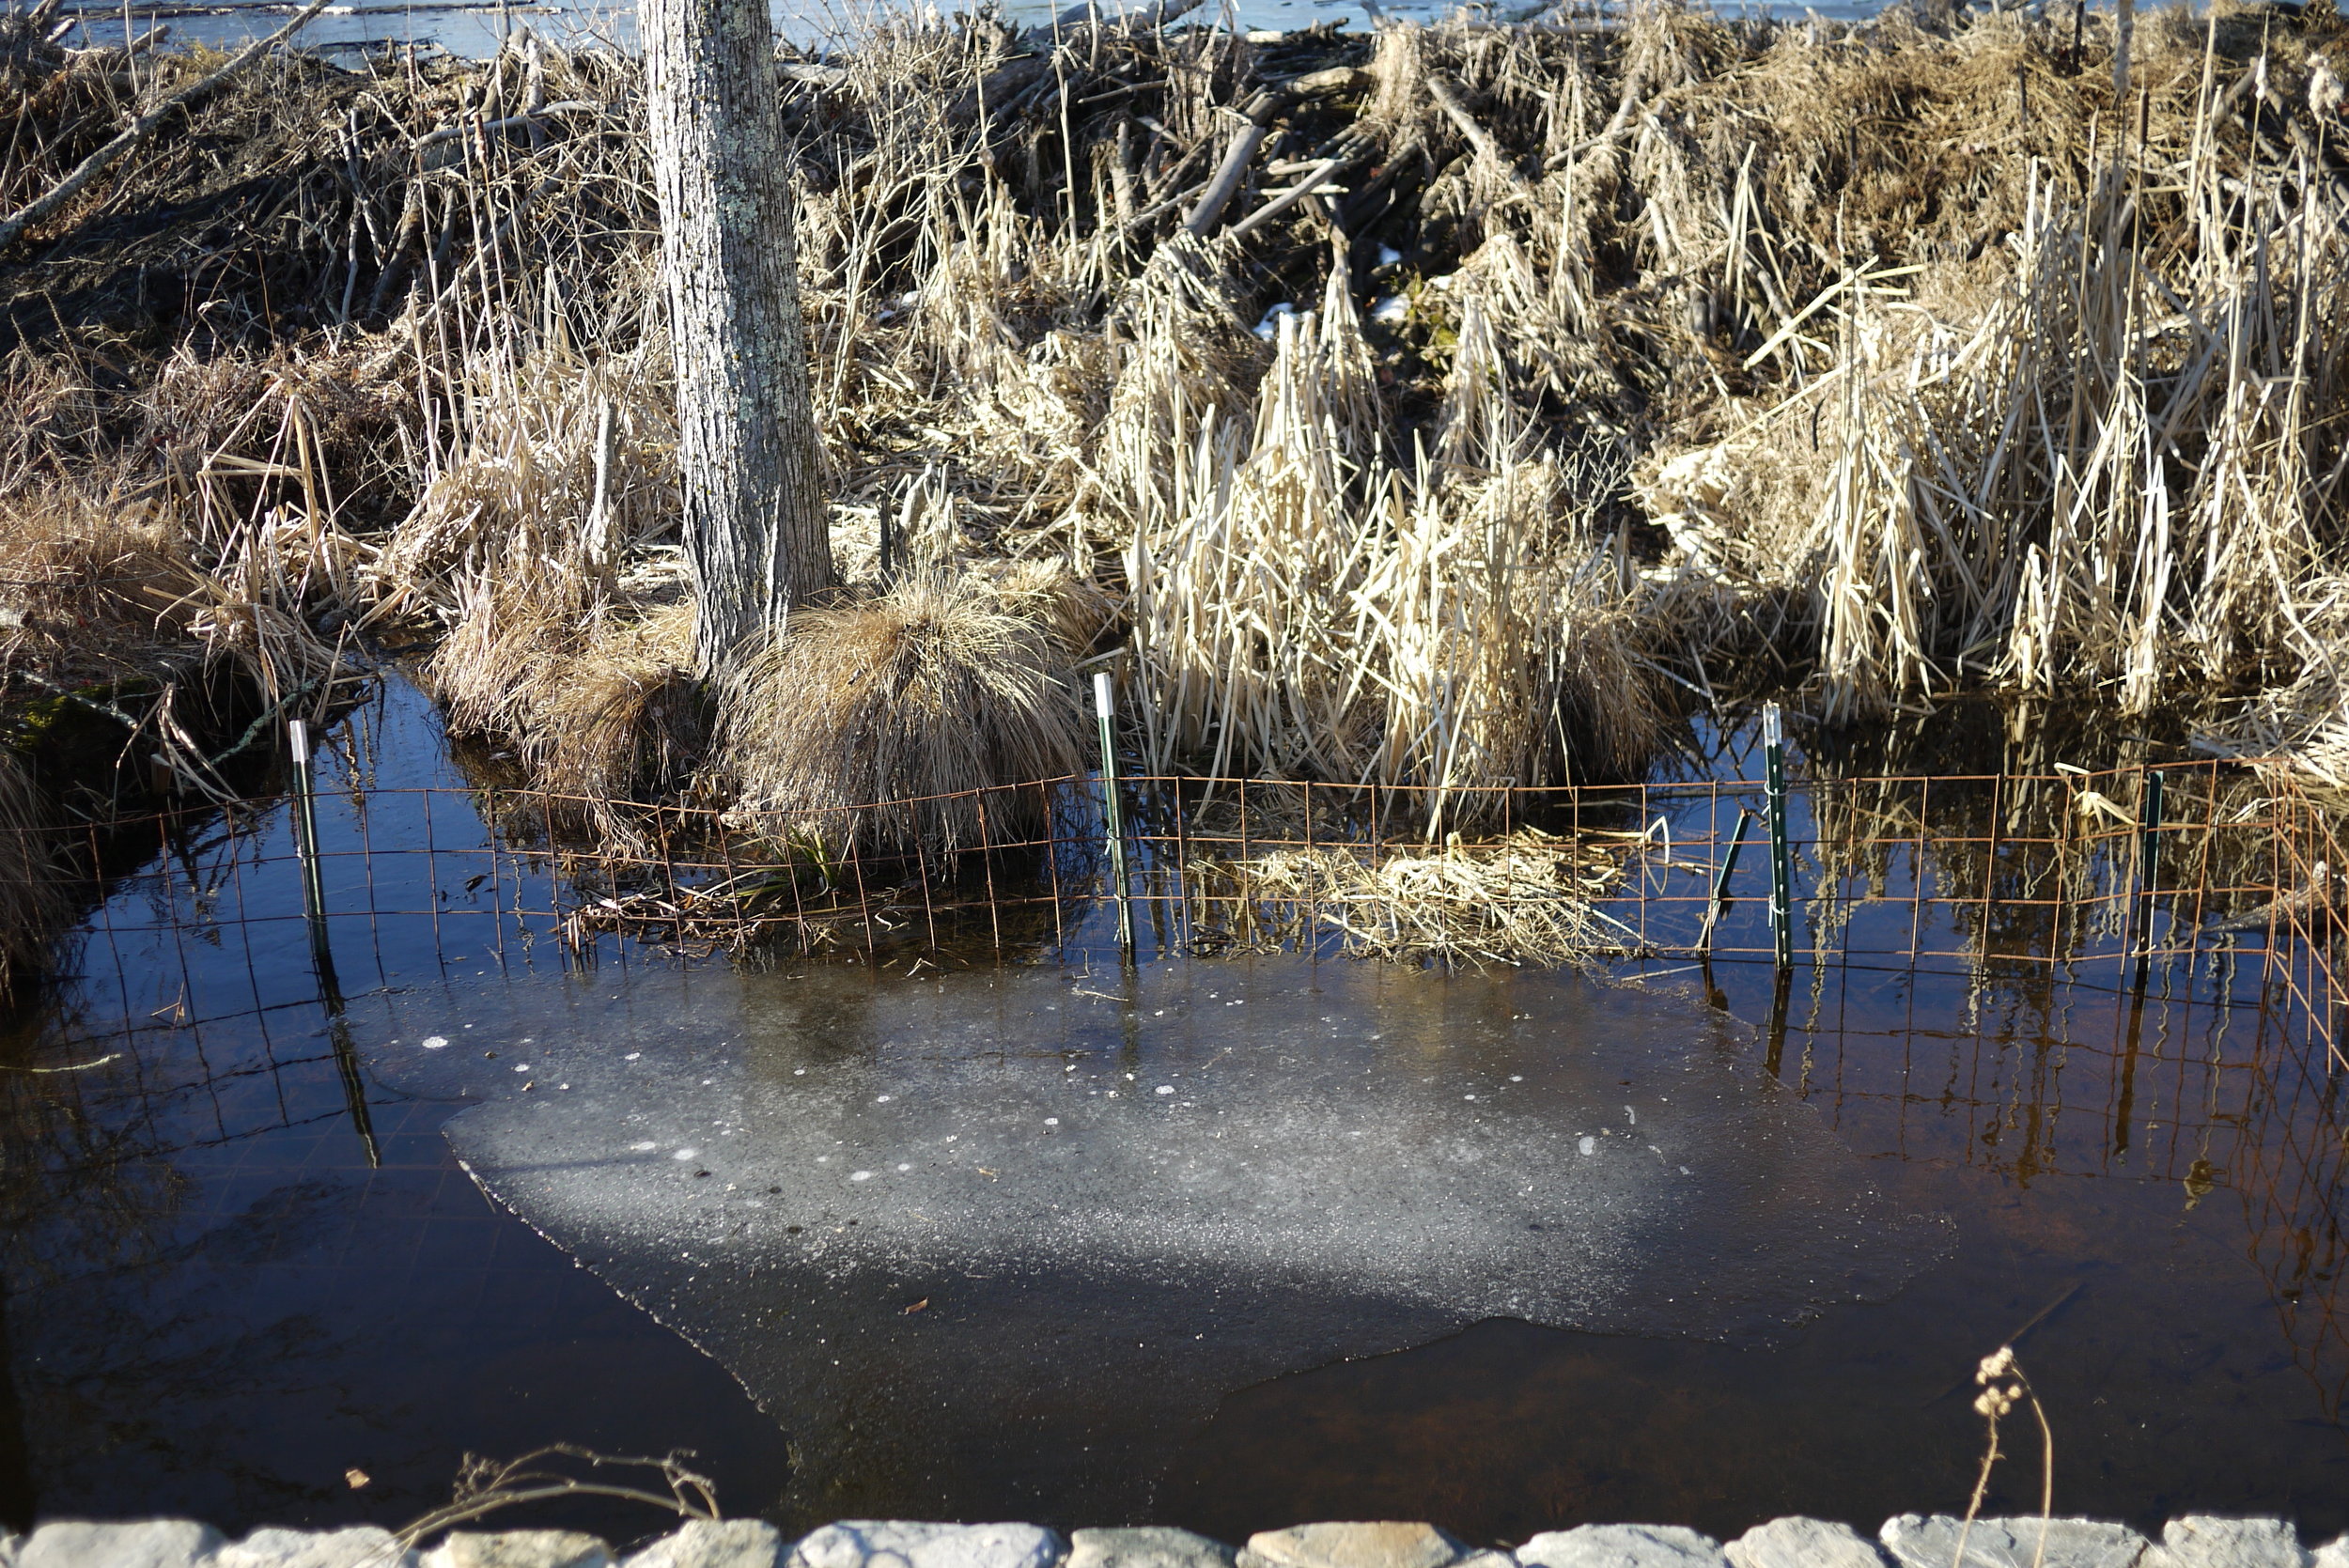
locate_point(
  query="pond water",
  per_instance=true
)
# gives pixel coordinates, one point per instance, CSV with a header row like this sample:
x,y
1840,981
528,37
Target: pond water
x,y
476,27
1221,1242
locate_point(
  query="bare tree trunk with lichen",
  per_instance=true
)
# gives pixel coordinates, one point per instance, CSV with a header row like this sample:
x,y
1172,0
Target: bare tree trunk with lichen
x,y
756,533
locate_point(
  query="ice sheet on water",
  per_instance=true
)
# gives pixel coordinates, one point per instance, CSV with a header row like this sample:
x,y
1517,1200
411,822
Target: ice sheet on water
x,y
1308,1178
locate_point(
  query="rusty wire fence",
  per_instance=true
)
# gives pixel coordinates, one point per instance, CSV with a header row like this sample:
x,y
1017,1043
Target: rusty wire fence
x,y
2068,870
2027,973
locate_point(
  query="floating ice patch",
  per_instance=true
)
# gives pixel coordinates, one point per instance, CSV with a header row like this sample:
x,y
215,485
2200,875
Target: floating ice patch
x,y
1098,1291
1392,311
435,1042
1271,326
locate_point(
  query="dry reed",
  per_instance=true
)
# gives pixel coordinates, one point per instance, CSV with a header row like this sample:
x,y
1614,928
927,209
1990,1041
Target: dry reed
x,y
1933,363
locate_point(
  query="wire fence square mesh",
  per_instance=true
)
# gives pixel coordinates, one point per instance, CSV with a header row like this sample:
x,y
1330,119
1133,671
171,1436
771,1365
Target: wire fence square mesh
x,y
2006,971
2038,879
1998,870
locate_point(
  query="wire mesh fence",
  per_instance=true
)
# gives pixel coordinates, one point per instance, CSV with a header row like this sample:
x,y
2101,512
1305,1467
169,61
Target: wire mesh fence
x,y
2134,867
2028,973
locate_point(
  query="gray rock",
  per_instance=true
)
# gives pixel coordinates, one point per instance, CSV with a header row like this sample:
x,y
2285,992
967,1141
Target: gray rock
x,y
10,1545
360,1546
714,1543
2332,1553
519,1548
1919,1540
1152,1547
2199,1541
1622,1547
1796,1542
905,1544
150,1544
1378,1545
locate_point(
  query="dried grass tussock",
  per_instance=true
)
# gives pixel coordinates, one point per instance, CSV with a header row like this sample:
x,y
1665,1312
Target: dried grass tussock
x,y
917,696
1440,407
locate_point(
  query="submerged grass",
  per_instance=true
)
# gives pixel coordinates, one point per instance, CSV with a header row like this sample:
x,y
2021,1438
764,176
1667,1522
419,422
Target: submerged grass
x,y
1526,898
31,893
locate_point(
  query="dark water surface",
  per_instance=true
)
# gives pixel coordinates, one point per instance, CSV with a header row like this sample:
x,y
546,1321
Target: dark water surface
x,y
1762,1290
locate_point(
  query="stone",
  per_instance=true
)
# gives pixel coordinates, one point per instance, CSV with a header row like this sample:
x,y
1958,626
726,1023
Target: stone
x,y
10,1545
1352,1546
360,1546
1921,1541
1796,1542
2332,1553
150,1544
714,1543
519,1548
2199,1541
1151,1546
906,1544
1622,1547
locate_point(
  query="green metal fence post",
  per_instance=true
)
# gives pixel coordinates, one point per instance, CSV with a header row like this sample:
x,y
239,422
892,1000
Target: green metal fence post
x,y
1781,865
306,826
2149,853
1105,708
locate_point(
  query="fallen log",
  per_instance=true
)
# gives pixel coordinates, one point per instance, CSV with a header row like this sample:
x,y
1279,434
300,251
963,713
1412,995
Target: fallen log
x,y
1269,104
1329,168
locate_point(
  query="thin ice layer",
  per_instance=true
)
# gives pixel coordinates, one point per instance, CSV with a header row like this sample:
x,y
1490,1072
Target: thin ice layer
x,y
1006,1236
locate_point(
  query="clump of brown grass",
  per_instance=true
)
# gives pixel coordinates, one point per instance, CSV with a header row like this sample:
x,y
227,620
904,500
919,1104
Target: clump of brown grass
x,y
601,702
921,696
90,590
1308,606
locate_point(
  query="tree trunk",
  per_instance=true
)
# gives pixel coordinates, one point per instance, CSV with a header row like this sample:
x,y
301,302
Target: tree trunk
x,y
757,537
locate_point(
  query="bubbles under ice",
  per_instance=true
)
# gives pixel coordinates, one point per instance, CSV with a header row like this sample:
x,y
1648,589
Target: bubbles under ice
x,y
1330,1190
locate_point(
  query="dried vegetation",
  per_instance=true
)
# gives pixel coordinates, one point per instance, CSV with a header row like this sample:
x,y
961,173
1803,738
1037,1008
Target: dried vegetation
x,y
1442,406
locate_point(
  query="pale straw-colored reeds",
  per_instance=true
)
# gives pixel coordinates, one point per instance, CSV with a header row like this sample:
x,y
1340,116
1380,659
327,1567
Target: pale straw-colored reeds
x,y
1930,360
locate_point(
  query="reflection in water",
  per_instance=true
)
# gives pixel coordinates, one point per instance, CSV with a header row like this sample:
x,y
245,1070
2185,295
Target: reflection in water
x,y
216,1306
216,1303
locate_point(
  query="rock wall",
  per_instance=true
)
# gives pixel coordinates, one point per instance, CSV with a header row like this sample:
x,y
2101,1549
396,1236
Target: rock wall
x,y
1910,1541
